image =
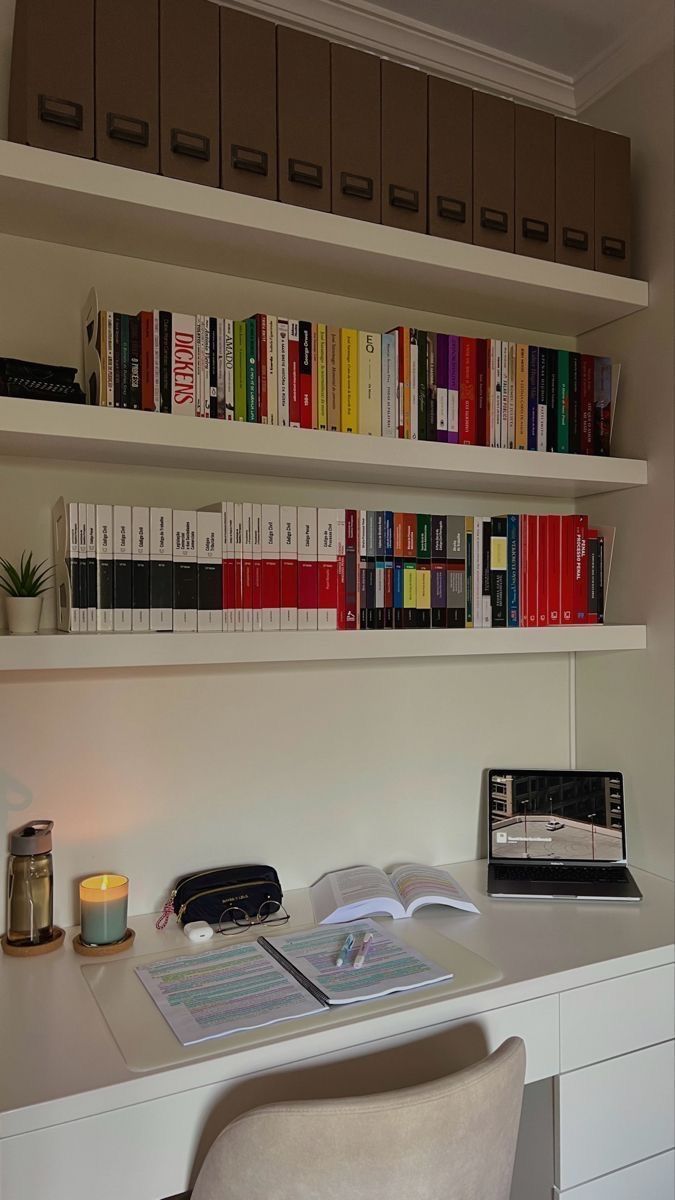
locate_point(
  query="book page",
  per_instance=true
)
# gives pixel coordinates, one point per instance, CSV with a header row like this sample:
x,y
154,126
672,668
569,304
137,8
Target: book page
x,y
223,991
389,966
418,885
354,892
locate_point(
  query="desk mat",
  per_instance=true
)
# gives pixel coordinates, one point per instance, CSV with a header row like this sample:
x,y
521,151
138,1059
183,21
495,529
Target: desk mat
x,y
148,1044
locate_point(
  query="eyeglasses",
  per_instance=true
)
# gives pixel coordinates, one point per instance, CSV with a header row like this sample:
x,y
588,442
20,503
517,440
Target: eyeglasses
x,y
237,919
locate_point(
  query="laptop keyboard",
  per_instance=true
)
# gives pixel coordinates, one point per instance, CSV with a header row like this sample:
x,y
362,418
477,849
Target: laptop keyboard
x,y
542,874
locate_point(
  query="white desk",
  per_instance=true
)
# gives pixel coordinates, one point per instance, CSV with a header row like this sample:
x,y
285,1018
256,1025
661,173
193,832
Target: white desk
x,y
588,986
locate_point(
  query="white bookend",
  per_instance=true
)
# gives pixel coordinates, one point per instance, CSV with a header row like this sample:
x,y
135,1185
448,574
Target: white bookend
x,y
122,568
140,569
66,566
183,365
104,568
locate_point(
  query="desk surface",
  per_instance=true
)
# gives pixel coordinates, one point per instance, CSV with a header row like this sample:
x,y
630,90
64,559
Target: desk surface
x,y
60,1062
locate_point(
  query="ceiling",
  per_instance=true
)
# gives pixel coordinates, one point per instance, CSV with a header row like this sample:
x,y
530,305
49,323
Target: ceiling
x,y
559,35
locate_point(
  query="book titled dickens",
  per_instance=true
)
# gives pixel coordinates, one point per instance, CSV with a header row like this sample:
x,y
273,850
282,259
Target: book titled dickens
x,y
183,364
363,891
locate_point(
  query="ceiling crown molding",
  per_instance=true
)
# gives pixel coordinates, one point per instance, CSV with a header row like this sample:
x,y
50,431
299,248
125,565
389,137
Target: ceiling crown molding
x,y
647,38
369,27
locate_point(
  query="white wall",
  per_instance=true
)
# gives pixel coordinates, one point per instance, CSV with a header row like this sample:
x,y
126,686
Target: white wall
x,y
154,773
625,703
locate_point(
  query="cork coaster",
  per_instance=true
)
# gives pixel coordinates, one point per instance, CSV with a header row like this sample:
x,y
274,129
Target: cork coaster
x,y
81,947
32,951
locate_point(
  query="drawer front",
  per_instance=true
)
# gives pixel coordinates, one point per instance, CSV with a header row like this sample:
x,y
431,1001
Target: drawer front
x,y
616,1016
653,1179
615,1113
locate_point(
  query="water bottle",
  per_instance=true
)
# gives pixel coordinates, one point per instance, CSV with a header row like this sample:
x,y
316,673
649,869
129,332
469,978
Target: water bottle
x,y
30,885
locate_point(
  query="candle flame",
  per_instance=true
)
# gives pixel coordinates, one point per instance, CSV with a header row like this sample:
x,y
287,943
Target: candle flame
x,y
104,883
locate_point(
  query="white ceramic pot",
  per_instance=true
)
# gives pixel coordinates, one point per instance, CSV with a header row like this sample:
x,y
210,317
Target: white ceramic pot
x,y
23,613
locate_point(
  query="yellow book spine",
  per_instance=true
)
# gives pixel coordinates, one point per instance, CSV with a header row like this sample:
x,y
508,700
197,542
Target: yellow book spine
x,y
349,362
409,586
521,397
370,383
321,383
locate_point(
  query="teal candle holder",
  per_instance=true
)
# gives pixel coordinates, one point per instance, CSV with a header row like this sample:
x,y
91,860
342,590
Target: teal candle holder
x,y
103,909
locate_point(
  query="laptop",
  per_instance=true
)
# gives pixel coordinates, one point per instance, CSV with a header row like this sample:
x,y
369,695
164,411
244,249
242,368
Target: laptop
x,y
558,835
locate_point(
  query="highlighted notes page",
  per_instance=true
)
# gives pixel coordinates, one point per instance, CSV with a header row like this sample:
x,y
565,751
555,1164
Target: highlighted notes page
x,y
218,992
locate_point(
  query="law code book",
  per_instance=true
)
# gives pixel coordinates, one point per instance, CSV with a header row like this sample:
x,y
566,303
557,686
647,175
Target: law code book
x,y
357,892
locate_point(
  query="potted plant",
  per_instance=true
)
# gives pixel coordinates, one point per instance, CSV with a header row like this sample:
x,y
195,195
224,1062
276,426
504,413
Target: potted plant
x,y
24,586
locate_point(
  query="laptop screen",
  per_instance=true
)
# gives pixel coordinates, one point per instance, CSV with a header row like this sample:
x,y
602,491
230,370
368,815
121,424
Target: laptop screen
x,y
562,816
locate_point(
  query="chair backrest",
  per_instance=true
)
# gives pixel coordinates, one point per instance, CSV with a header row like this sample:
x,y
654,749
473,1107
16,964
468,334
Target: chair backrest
x,y
453,1139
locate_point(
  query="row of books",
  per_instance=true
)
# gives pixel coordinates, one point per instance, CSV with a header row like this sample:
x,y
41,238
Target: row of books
x,y
245,567
406,383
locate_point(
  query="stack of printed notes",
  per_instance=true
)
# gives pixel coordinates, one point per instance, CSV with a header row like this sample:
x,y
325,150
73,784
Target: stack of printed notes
x,y
226,990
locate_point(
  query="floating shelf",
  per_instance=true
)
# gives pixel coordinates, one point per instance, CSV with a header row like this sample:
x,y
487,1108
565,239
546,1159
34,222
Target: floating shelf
x,y
63,652
77,202
43,429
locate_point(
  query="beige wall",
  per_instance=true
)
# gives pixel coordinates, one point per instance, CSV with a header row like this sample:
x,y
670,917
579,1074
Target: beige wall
x,y
625,703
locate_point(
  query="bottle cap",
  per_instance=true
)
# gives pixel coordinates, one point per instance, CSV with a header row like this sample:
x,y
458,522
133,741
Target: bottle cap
x,y
35,838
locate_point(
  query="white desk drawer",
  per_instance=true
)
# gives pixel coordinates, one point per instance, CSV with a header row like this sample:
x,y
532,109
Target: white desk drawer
x,y
617,1016
653,1179
615,1113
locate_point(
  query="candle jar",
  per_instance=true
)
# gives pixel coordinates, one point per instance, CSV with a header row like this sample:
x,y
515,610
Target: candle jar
x,y
103,909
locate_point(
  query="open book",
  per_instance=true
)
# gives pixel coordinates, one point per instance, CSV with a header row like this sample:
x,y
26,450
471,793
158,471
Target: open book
x,y
362,891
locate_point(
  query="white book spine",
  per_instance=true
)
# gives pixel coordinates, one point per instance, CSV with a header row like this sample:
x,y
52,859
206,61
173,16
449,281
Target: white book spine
x,y
185,571
327,542
288,523
228,327
183,364
414,391
271,563
389,384
104,568
92,588
283,382
82,565
156,393
307,568
206,368
271,366
492,392
140,569
256,537
238,568
122,568
209,572
294,354
161,570
443,424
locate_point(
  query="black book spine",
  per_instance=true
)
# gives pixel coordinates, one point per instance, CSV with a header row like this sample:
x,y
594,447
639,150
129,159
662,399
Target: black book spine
x,y
486,589
117,359
213,367
601,580
439,572
379,569
388,570
432,407
552,400
422,388
134,362
498,566
423,571
575,403
165,362
370,597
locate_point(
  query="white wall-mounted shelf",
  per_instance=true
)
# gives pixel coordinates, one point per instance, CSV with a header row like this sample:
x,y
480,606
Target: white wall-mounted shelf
x,y
43,429
63,652
73,201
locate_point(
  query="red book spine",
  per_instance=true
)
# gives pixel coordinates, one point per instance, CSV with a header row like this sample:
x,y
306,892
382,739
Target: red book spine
x,y
580,610
542,570
467,391
522,570
351,569
261,366
482,366
567,570
294,374
308,569
341,593
587,402
147,362
554,575
532,570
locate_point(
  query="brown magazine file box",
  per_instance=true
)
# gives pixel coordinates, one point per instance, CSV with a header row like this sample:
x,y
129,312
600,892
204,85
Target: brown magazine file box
x,y
450,160
127,83
612,203
534,228
574,200
404,147
355,133
189,75
303,115
493,171
248,114
51,103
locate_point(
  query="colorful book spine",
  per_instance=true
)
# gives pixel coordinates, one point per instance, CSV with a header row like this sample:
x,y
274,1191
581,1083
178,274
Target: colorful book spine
x,y
422,387
532,397
468,541
575,403
327,568
498,572
456,585
542,399
602,405
271,374
370,384
512,571
443,416
379,569
183,364
388,569
351,569
305,376
439,572
432,402
251,370
271,568
542,570
341,570
452,377
333,393
563,403
467,391
294,374
423,571
554,573
240,368
322,376
587,403
482,383
239,568
283,381
413,428
389,384
521,437
349,357
410,571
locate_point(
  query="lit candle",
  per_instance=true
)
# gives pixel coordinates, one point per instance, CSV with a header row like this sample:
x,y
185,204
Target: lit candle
x,y
103,909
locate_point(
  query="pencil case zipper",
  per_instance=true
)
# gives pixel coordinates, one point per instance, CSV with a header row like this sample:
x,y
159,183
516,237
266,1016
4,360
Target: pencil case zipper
x,y
228,887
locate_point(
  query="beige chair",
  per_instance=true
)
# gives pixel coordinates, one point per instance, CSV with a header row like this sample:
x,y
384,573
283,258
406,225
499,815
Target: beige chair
x,y
454,1139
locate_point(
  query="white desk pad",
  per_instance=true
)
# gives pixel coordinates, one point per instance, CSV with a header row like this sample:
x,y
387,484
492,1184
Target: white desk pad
x,y
148,1044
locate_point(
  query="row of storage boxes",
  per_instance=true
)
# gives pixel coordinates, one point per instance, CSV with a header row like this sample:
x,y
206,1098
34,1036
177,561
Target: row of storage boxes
x,y
217,96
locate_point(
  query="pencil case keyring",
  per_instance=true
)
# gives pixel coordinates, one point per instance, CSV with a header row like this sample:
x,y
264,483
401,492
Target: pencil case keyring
x,y
239,894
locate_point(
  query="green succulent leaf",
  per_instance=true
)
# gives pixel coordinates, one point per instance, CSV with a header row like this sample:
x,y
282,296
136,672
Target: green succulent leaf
x,y
28,579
